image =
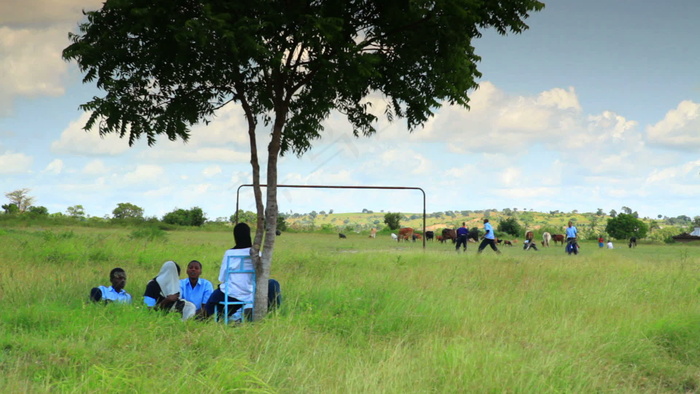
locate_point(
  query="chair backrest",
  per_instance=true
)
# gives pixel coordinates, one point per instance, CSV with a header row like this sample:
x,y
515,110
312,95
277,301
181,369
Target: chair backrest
x,y
239,269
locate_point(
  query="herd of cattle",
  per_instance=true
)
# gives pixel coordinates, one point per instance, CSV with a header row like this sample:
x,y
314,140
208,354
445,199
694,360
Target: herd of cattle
x,y
447,234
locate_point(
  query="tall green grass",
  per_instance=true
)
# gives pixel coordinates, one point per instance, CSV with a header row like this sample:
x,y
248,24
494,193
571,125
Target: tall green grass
x,y
359,315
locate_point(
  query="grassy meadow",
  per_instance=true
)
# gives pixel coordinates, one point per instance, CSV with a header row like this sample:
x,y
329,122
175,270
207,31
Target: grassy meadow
x,y
359,315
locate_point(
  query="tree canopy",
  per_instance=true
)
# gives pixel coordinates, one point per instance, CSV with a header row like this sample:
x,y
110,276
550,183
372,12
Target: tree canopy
x,y
510,226
166,65
20,198
625,226
126,210
392,220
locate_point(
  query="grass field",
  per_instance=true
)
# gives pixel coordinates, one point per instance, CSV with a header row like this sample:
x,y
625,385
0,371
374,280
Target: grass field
x,y
359,315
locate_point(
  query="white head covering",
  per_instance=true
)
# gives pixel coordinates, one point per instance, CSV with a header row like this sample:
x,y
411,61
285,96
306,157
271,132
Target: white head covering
x,y
168,279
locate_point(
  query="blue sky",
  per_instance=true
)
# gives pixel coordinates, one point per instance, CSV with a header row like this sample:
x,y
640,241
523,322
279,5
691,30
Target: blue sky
x,y
597,105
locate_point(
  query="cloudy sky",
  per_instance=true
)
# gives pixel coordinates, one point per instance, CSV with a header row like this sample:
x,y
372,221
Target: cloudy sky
x,y
596,106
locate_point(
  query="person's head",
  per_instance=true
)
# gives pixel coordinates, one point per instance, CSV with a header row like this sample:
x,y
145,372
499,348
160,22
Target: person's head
x,y
571,223
464,224
241,234
194,269
118,278
486,221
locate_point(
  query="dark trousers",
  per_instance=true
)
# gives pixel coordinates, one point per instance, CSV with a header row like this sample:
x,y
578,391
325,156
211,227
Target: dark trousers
x,y
461,240
274,299
486,242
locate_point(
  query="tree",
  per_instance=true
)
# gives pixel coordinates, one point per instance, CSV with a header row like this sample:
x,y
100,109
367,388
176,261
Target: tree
x,y
625,225
166,65
600,212
38,211
393,220
20,198
125,210
613,213
76,211
182,217
626,210
10,209
510,226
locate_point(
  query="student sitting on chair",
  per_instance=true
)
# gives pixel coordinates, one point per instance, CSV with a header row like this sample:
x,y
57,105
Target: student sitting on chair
x,y
239,286
163,292
114,293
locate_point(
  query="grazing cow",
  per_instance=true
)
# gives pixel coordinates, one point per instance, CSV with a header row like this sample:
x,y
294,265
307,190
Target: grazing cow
x,y
546,239
558,238
507,243
439,238
341,235
405,233
449,233
529,236
394,237
633,242
473,234
416,236
429,235
373,233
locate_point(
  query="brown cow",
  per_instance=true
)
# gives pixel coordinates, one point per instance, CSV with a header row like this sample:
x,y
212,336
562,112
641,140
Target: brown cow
x,y
405,233
558,238
529,236
506,242
449,233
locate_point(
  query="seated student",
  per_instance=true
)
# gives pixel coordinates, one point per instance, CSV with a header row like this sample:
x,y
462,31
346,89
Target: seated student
x,y
530,244
114,293
195,289
240,286
163,292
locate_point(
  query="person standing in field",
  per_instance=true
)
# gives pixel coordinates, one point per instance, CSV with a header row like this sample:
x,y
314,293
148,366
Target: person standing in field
x,y
462,236
114,293
600,242
571,235
489,238
195,289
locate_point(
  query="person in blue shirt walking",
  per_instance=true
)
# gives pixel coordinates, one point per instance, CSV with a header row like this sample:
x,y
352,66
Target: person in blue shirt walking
x,y
571,235
195,289
114,293
462,236
489,238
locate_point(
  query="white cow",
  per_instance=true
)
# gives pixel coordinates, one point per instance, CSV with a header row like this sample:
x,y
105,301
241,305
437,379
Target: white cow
x,y
394,237
546,238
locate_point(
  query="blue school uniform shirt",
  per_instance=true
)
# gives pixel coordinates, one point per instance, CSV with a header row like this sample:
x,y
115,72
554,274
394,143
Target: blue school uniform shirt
x,y
199,294
108,293
489,231
571,232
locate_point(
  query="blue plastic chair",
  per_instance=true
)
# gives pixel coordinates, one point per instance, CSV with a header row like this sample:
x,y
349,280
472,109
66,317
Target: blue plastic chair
x,y
238,269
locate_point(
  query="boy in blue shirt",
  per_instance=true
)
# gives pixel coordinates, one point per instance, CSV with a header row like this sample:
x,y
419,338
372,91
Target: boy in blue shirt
x,y
114,293
195,289
489,238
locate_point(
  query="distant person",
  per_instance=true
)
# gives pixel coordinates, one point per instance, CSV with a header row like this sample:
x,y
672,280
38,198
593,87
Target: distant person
x,y
601,242
462,236
530,244
163,292
195,289
571,236
489,238
240,286
610,245
114,293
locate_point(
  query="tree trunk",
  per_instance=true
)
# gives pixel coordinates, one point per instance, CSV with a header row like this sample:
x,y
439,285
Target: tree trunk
x,y
263,269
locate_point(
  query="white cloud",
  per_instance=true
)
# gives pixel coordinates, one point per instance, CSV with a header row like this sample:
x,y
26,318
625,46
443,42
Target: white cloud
x,y
55,167
31,63
211,171
144,174
75,140
679,129
675,173
95,167
34,12
15,163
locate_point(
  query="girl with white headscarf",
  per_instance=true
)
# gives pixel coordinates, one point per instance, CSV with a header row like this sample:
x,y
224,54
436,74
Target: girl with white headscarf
x,y
163,292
